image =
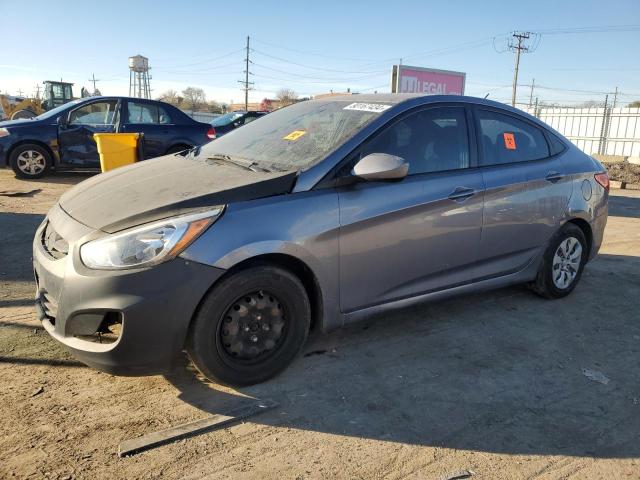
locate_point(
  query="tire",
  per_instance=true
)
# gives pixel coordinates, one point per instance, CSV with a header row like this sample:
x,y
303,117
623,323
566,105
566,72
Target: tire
x,y
177,149
250,326
558,276
30,161
24,113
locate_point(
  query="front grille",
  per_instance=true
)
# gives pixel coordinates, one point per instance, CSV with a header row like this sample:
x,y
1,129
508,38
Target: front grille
x,y
56,246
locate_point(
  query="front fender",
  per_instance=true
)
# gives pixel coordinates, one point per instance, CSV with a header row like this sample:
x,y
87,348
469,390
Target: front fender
x,y
304,226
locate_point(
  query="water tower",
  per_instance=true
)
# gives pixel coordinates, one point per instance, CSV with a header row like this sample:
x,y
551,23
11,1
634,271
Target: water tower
x,y
139,85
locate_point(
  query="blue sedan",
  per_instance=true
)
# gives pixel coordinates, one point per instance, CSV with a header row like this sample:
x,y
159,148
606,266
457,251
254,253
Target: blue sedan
x,y
62,138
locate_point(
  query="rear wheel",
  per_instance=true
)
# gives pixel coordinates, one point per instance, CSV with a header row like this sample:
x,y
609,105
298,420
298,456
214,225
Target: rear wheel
x,y
177,149
250,326
562,264
30,161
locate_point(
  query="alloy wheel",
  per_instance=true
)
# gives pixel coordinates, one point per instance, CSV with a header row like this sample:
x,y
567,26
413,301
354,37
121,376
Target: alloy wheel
x,y
31,162
566,262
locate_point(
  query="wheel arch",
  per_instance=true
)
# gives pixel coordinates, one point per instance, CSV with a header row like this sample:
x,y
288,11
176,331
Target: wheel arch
x,y
40,143
292,264
586,229
180,144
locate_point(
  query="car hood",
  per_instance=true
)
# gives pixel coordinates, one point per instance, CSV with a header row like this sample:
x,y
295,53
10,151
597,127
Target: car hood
x,y
18,123
164,187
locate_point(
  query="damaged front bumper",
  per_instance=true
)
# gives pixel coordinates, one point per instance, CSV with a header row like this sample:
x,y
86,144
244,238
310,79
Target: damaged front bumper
x,y
126,322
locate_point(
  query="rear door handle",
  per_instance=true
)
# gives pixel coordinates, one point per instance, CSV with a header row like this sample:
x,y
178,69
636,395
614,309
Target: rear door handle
x,y
553,177
460,194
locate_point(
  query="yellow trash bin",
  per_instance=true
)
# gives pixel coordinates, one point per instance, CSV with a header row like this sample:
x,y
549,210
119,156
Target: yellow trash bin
x,y
117,149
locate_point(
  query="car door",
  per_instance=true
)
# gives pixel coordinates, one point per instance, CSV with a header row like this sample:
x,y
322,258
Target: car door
x,y
75,134
526,191
154,122
421,234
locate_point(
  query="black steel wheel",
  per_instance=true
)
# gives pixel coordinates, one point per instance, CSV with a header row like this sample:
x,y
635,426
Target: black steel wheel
x,y
250,326
253,327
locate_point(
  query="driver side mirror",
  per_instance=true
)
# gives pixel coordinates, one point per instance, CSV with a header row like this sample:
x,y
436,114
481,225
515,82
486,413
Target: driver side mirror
x,y
381,166
62,121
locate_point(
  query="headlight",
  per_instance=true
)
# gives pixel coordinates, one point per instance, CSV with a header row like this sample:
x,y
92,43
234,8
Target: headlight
x,y
148,244
4,132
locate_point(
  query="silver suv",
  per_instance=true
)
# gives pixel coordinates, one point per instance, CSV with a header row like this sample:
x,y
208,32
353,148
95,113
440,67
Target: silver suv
x,y
312,217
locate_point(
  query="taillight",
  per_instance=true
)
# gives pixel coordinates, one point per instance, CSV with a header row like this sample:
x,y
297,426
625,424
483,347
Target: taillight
x,y
211,134
603,179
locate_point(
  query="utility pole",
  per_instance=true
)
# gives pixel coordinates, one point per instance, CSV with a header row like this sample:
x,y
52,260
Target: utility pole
x,y
518,46
246,81
533,82
615,98
37,91
19,92
94,80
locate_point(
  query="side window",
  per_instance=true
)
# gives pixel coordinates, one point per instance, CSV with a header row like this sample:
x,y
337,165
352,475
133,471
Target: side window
x,y
97,113
142,113
556,145
431,140
505,139
164,118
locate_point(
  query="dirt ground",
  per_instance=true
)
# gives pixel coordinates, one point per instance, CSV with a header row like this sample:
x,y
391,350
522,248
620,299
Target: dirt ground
x,y
493,383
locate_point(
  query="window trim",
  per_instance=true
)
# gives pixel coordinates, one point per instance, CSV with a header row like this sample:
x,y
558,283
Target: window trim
x,y
101,100
331,179
480,150
146,104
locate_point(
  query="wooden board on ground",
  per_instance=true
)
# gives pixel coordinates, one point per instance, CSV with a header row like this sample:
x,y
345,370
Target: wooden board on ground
x,y
173,434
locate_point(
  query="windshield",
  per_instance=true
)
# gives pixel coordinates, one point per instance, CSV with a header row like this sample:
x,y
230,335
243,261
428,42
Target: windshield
x,y
295,137
56,111
225,119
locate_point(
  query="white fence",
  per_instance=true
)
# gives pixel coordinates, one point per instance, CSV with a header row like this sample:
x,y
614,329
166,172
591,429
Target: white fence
x,y
605,131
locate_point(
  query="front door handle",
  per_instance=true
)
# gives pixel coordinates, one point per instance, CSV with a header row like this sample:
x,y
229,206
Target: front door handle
x,y
460,194
554,176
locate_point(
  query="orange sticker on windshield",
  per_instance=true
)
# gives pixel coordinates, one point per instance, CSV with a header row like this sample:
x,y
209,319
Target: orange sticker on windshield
x,y
295,135
509,141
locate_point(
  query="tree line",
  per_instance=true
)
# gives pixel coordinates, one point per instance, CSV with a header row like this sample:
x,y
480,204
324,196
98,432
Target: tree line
x,y
193,98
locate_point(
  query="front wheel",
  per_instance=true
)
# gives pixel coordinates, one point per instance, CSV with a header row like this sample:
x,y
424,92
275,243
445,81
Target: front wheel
x,y
562,264
30,161
250,326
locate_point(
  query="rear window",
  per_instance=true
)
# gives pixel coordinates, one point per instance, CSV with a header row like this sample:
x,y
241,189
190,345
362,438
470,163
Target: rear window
x,y
506,139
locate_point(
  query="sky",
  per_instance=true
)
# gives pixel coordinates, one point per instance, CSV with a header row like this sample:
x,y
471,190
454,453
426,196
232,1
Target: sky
x,y
583,49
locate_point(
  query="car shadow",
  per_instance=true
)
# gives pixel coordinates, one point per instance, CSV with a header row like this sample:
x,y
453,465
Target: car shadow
x,y
65,178
624,206
17,230
503,371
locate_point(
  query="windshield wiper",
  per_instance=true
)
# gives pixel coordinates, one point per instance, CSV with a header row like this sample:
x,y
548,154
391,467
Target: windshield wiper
x,y
253,166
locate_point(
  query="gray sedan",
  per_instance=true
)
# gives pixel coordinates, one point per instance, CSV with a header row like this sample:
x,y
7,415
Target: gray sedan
x,y
312,217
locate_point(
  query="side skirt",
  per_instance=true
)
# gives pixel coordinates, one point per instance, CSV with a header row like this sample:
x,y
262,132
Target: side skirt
x,y
527,274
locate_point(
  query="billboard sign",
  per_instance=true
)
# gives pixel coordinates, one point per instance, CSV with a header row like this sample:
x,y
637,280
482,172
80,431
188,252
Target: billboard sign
x,y
406,79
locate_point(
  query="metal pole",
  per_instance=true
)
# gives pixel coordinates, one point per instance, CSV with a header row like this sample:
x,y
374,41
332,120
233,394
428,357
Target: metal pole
x,y
515,72
615,98
246,78
531,94
601,146
535,110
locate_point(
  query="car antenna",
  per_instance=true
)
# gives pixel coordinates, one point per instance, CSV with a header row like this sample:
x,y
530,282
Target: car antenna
x,y
486,96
